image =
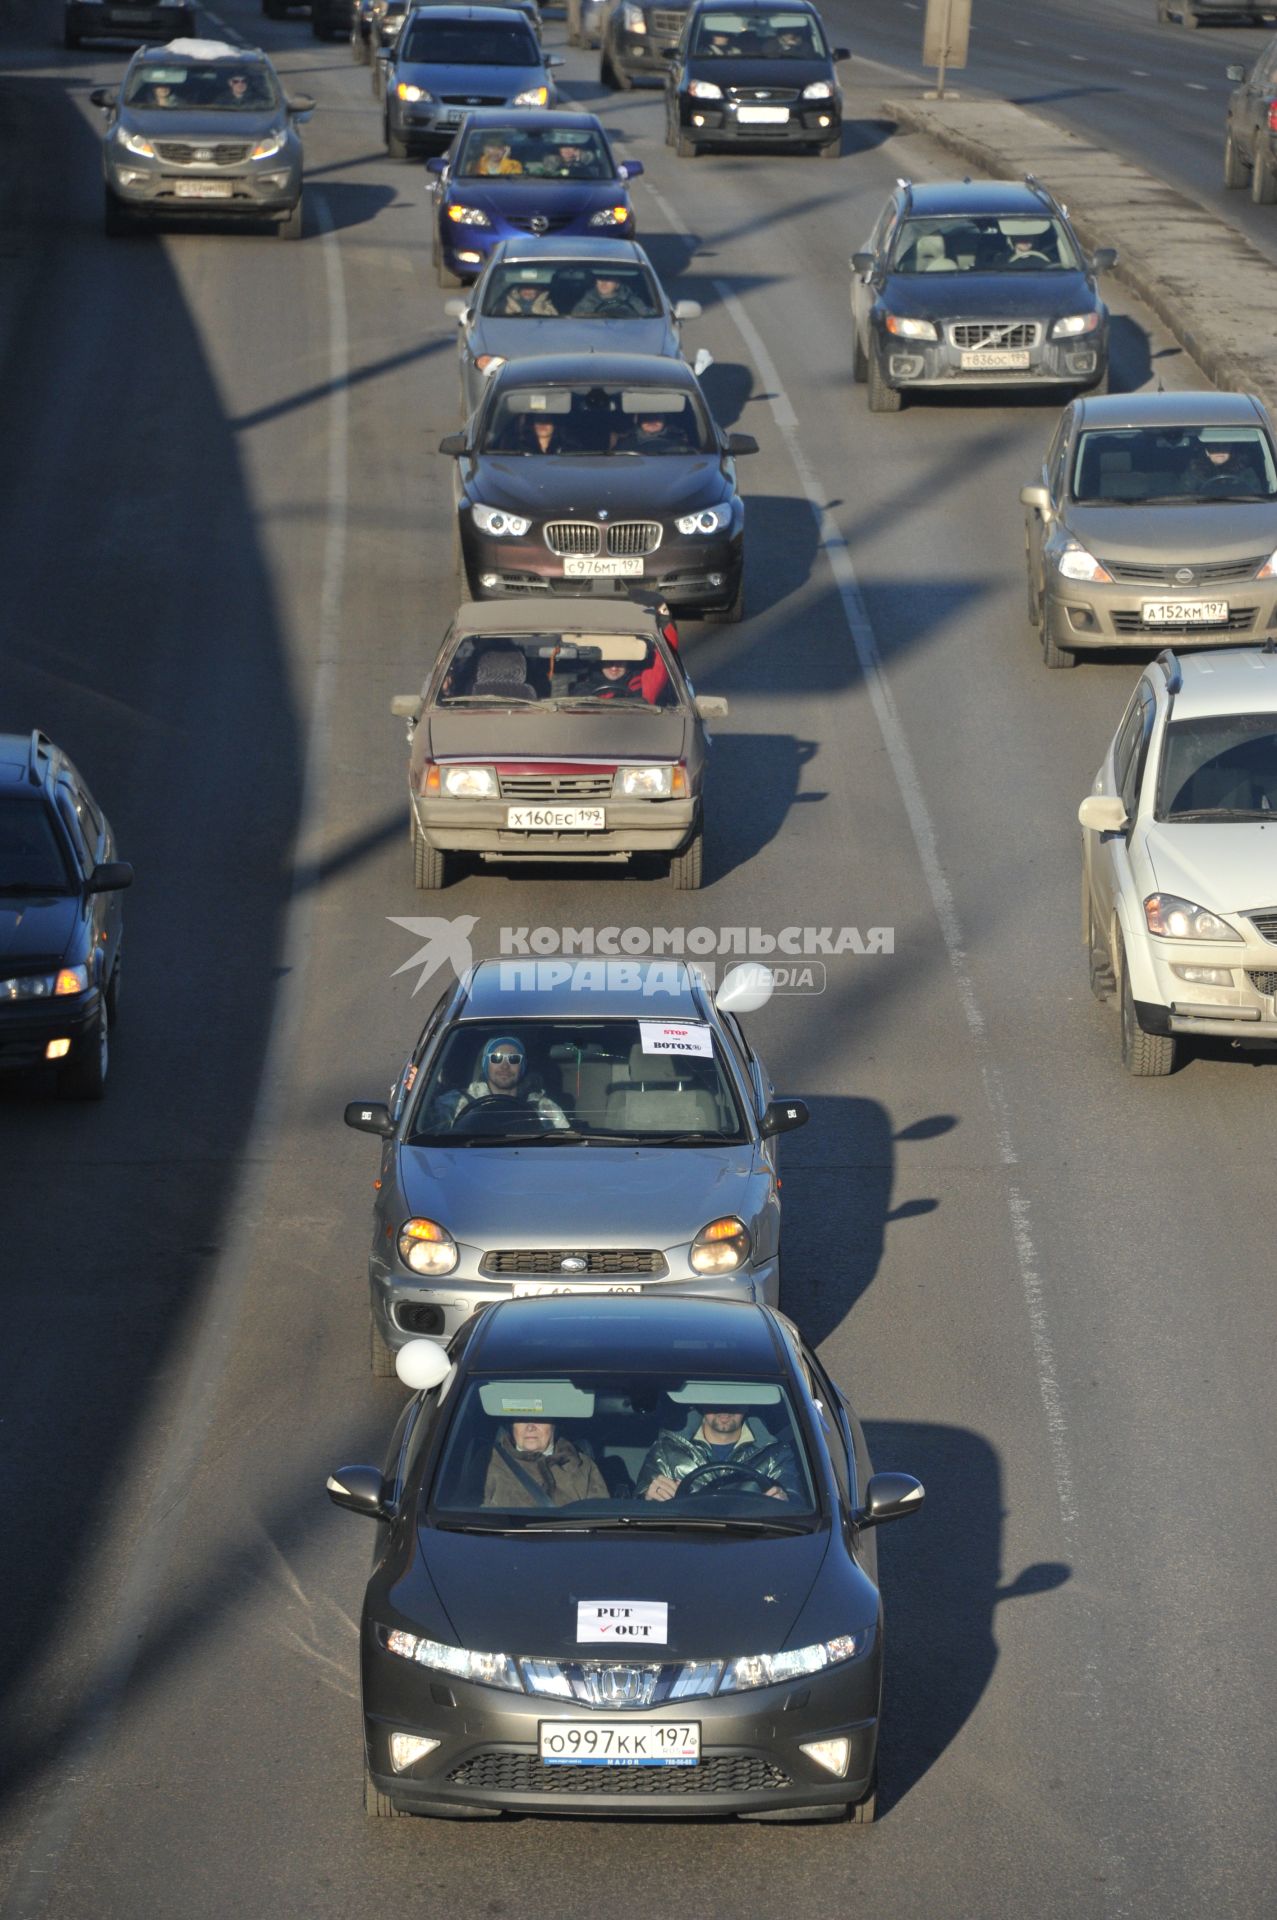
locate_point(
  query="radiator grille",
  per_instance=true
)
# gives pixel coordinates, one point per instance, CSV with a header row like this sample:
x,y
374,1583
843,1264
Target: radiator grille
x,y
183,153
634,536
524,1773
600,1262
572,536
1203,576
1264,921
555,786
995,334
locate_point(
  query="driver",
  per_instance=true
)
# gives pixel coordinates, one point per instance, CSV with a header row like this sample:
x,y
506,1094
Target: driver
x,y
502,1068
723,1437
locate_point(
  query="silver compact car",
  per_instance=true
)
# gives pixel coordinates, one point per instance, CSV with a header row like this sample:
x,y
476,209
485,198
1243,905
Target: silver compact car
x,y
571,1126
202,129
450,59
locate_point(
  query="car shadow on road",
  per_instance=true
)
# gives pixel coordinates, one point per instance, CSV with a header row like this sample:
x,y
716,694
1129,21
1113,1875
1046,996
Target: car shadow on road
x,y
1130,355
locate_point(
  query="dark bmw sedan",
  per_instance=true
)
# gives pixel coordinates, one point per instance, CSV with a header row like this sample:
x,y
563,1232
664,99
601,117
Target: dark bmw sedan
x,y
506,176
607,466
754,71
626,1564
976,283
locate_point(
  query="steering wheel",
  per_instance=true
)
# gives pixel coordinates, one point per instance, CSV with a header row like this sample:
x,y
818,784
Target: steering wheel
x,y
723,1470
1031,258
482,1104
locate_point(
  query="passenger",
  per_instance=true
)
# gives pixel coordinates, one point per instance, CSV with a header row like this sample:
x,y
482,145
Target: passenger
x,y
721,44
502,1066
529,299
654,433
163,95
530,1467
608,298
538,433
495,157
723,1437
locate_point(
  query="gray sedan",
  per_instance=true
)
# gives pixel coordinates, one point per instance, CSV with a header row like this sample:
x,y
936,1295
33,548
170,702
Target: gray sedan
x,y
574,1127
201,128
448,60
574,296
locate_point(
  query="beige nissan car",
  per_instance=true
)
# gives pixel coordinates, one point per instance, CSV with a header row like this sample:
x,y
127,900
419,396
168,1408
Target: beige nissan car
x,y
1154,518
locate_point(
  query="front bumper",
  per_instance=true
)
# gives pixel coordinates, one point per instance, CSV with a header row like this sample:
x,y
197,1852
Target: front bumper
x,y
809,122
1082,616
406,1307
26,1028
1082,362
265,190
690,572
751,1746
633,826
1244,1013
465,250
638,55
127,22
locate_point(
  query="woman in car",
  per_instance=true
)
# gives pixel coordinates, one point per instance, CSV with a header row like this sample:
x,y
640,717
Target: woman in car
x,y
532,1466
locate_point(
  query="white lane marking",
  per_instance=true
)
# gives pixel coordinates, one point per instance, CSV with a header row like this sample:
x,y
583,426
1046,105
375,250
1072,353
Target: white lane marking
x,y
186,1414
1081,60
1139,73
1024,43
1194,86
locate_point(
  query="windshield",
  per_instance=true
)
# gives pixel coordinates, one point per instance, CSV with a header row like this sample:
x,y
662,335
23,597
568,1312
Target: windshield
x,y
1011,243
783,35
223,86
1219,768
455,43
597,419
1174,466
592,670
607,1082
570,290
549,153
605,1449
31,856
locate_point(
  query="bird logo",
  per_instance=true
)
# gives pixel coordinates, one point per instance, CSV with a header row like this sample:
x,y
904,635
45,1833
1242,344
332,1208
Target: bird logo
x,y
445,941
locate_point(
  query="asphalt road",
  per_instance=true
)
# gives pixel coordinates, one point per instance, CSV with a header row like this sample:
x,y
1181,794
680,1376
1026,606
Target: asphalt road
x,y
225,544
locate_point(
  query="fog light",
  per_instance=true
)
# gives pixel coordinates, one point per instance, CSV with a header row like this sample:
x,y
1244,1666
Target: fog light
x,y
275,179
130,178
407,1748
1206,976
470,259
715,579
488,579
833,1755
698,119
57,1050
823,120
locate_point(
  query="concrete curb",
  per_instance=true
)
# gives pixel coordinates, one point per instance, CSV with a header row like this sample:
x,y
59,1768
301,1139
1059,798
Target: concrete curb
x,y
1214,292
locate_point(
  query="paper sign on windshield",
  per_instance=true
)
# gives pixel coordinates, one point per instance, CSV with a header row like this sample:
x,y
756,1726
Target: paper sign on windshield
x,y
623,1622
668,1036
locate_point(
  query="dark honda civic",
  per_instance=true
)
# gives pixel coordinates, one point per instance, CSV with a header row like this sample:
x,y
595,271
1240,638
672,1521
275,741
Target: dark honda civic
x,y
754,70
581,467
626,1563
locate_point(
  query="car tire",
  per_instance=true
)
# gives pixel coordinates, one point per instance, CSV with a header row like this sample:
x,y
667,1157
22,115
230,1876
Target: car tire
x,y
832,149
1263,179
1188,18
84,1077
687,868
883,397
1098,965
114,989
290,227
864,1812
116,218
1103,385
429,864
359,50
685,149
1146,1056
1035,602
859,365
443,273
381,1360
622,81
1235,168
378,1805
607,72
396,145
1053,655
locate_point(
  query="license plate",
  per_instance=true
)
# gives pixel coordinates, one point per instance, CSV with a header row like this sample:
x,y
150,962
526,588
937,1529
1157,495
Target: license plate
x,y
580,566
762,116
534,1289
447,119
994,359
620,1743
1185,613
203,189
128,16
556,819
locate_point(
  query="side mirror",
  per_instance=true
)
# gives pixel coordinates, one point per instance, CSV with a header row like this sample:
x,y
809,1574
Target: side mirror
x,y
782,1116
423,1365
1230,73
457,310
436,164
359,1490
703,362
687,310
1036,497
406,706
629,169
453,444
711,706
300,104
863,262
385,53
103,97
556,60
110,876
842,53
746,988
741,443
370,1116
889,1496
1103,812
1104,259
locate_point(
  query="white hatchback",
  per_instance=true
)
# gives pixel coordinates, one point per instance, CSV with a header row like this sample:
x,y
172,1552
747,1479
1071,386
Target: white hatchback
x,y
1179,857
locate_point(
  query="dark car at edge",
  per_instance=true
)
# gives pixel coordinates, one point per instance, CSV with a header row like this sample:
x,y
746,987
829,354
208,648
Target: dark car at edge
x,y
757,71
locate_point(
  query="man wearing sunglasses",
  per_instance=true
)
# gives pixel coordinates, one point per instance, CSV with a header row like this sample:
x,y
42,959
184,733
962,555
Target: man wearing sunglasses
x,y
502,1076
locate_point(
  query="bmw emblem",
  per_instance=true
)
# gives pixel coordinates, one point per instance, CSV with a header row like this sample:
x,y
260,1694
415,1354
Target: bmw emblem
x,y
540,224
602,513
573,1263
1183,575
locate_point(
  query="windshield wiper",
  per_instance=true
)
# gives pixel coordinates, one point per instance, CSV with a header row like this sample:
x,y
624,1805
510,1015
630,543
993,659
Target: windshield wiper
x,y
541,1138
691,1523
1226,813
590,702
1225,499
30,890
693,1137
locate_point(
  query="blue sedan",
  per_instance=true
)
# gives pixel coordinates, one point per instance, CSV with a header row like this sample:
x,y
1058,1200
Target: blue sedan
x,y
540,173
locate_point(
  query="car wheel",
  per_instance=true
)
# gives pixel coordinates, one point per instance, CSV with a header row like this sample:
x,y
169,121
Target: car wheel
x,y
1188,17
378,1805
1099,967
84,1078
359,50
1263,180
290,227
1147,1056
396,145
443,273
575,36
832,149
621,80
686,868
1035,604
607,72
1234,166
859,365
429,864
114,990
1053,656
864,1812
685,149
116,218
1103,385
883,397
381,1358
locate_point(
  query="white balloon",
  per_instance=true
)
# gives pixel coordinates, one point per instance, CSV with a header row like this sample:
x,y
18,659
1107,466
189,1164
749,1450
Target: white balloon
x,y
422,1364
746,988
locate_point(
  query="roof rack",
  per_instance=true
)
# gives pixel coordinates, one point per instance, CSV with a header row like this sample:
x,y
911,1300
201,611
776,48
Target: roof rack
x,y
1170,666
40,743
907,185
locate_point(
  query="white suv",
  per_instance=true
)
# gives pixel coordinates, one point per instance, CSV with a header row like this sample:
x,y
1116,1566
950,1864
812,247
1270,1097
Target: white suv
x,y
1179,857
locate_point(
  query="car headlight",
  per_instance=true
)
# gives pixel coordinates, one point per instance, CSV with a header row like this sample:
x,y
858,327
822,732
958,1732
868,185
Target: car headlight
x,y
136,143
406,91
45,986
610,217
469,216
704,90
906,329
1075,563
704,520
489,1669
470,783
426,1247
489,362
720,1247
497,521
1269,569
532,97
632,18
818,90
770,1669
1074,323
1171,918
645,783
268,144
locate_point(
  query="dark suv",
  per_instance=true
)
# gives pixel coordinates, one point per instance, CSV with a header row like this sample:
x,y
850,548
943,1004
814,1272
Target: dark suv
x,y
60,918
1250,142
634,38
976,283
